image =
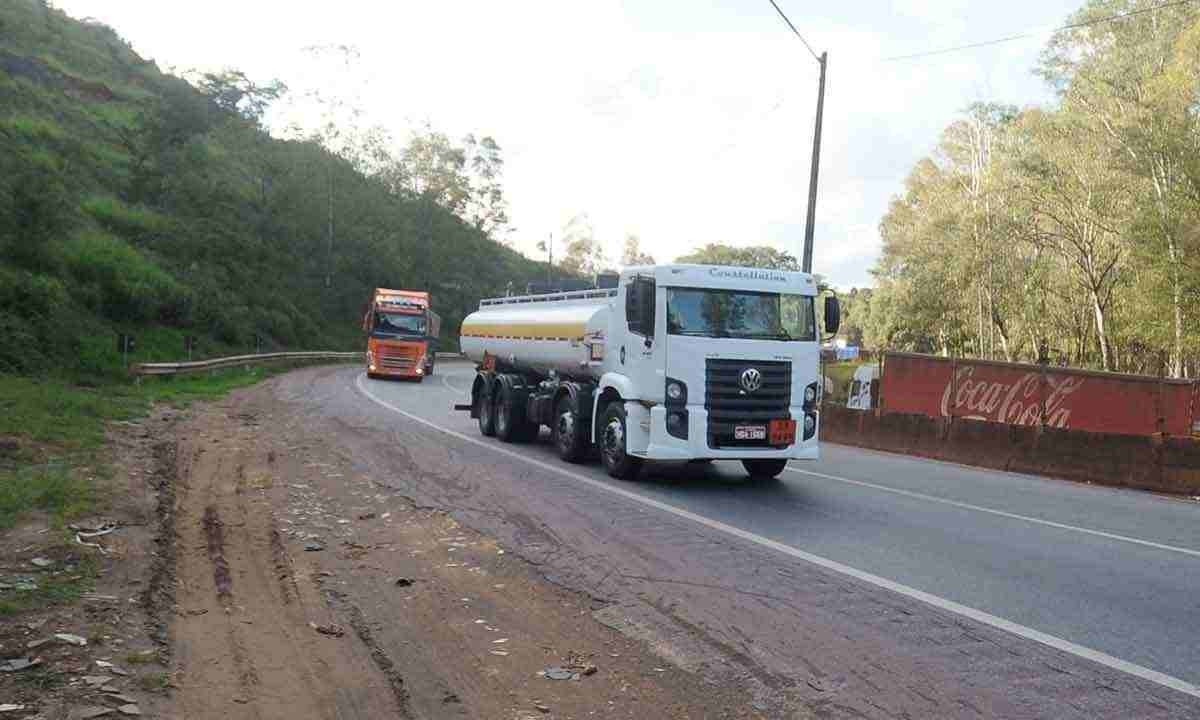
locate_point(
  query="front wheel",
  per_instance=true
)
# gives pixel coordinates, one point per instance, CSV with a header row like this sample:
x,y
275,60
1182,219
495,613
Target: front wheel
x,y
617,462
764,469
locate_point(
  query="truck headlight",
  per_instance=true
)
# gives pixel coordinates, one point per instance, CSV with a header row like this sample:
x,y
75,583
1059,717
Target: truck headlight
x,y
676,392
810,394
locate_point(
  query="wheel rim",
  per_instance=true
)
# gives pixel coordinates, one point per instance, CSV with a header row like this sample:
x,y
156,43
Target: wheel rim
x,y
614,441
566,430
485,409
502,419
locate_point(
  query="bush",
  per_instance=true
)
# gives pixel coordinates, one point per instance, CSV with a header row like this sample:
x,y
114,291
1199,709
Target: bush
x,y
129,287
37,326
128,221
35,215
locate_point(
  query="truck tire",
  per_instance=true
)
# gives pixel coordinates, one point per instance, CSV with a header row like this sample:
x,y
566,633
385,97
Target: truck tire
x,y
617,462
511,424
764,469
569,437
487,411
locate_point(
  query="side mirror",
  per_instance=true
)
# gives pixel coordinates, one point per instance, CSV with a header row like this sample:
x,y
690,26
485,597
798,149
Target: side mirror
x,y
833,315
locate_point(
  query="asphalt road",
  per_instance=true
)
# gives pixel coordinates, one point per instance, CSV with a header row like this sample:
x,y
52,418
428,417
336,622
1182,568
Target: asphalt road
x,y
935,589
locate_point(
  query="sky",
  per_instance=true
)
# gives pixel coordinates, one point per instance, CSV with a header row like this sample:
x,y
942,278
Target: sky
x,y
684,122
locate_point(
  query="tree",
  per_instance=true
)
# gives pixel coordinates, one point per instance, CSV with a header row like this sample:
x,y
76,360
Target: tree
x,y
487,208
754,256
1134,82
233,92
584,254
632,254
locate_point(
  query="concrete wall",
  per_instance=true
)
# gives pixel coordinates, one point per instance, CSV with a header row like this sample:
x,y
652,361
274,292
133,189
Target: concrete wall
x,y
1163,464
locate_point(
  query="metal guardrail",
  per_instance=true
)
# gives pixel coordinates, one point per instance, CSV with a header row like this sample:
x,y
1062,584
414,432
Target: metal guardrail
x,y
180,368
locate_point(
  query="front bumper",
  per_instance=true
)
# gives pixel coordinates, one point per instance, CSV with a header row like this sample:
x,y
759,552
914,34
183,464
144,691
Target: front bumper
x,y
647,437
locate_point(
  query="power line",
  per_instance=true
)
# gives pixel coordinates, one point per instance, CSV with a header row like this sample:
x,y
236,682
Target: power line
x,y
794,30
1024,35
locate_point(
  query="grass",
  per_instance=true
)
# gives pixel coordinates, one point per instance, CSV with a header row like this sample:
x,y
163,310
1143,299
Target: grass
x,y
37,128
123,218
65,423
155,682
57,491
138,658
53,589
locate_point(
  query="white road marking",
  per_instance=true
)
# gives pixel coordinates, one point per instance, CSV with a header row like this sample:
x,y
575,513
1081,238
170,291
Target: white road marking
x,y
446,382
941,603
1001,513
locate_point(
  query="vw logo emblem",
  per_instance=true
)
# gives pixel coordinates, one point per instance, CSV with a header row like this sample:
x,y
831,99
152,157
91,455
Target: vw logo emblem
x,y
751,380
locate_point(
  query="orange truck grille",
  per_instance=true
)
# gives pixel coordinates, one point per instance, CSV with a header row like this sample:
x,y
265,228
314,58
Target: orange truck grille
x,y
398,358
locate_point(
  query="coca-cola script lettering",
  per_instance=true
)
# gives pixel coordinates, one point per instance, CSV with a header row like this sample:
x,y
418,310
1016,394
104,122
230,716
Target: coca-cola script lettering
x,y
1021,402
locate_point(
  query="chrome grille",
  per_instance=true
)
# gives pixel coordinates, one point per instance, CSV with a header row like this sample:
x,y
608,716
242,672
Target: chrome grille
x,y
729,405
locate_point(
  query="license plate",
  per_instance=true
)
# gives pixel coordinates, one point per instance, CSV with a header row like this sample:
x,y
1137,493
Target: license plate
x,y
749,432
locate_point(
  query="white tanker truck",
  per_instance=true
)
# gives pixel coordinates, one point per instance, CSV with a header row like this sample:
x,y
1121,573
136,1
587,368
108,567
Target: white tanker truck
x,y
677,363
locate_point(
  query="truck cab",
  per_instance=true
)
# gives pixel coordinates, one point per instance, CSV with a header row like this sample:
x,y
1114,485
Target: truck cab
x,y
720,363
402,334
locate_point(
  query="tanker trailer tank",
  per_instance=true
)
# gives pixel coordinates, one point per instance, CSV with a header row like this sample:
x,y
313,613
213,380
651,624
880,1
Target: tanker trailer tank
x,y
540,334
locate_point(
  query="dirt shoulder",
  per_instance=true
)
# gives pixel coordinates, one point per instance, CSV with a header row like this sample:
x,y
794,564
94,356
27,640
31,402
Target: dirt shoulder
x,y
304,589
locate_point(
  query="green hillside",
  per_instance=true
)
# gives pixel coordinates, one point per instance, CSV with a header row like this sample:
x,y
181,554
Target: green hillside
x,y
131,202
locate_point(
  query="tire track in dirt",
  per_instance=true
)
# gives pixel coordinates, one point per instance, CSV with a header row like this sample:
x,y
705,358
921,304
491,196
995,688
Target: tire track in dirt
x,y
243,643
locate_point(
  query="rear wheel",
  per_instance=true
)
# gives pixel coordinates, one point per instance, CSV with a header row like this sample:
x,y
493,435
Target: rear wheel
x,y
617,462
568,432
511,425
486,410
764,469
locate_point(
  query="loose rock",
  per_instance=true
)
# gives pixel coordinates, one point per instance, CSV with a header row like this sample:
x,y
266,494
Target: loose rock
x,y
11,708
557,673
132,710
18,664
42,562
331,629
314,547
404,582
71,639
90,712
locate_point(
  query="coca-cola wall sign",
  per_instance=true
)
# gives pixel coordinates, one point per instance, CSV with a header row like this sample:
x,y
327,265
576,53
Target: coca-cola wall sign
x,y
1019,394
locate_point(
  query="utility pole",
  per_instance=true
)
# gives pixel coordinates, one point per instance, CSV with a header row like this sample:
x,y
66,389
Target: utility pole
x,y
809,226
549,261
329,248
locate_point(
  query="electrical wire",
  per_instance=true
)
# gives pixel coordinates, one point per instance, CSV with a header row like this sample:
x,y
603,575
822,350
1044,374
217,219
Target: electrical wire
x,y
1024,35
794,30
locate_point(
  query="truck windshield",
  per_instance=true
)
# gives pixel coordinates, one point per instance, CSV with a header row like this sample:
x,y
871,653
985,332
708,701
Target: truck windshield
x,y
740,314
389,324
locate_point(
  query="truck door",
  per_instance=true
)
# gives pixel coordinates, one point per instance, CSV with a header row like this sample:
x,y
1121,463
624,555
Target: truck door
x,y
642,354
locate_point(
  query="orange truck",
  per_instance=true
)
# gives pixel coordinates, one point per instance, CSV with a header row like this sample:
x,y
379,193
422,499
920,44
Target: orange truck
x,y
402,334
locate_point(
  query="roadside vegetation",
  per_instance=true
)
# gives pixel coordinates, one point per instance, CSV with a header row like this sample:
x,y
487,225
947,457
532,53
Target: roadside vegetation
x,y
132,201
139,203
1068,233
52,436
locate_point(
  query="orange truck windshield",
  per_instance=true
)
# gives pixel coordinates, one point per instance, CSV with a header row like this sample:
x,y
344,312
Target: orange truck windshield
x,y
396,324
